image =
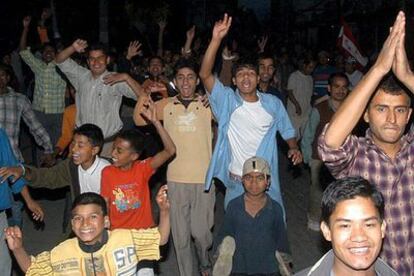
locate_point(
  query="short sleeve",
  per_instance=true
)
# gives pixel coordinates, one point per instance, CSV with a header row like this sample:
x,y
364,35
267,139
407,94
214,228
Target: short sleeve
x,y
146,169
147,243
41,265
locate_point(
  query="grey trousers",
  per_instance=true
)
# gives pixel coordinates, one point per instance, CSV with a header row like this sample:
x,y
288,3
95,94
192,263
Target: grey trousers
x,y
191,216
5,260
316,190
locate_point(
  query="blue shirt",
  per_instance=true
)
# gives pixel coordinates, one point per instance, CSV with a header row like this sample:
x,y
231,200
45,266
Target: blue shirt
x,y
224,101
257,238
8,159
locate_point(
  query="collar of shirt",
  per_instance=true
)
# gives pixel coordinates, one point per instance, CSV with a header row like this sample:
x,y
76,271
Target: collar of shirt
x,y
92,168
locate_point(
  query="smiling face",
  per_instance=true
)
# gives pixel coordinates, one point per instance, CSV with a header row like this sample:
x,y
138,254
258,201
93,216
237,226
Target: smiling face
x,y
186,81
266,69
48,54
155,67
246,80
83,152
388,116
88,223
356,232
97,62
123,154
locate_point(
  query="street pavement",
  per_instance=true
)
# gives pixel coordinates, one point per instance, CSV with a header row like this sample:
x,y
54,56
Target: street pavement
x,y
306,246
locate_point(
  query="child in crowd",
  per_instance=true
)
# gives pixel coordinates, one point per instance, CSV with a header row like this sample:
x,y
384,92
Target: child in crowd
x,y
253,231
125,183
95,250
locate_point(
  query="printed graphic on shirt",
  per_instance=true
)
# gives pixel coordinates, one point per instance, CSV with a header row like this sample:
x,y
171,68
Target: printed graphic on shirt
x,y
185,122
66,266
95,266
125,260
126,197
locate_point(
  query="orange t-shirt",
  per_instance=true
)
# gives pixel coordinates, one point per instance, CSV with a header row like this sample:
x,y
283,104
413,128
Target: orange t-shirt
x,y
128,195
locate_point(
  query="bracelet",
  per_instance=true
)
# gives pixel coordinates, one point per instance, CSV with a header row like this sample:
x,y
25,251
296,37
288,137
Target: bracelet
x,y
227,57
23,169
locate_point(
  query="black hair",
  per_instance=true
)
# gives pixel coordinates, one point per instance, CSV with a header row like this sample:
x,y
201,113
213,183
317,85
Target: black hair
x,y
98,46
90,198
6,69
265,55
186,63
92,132
349,188
48,44
337,75
155,57
134,137
245,62
390,84
305,60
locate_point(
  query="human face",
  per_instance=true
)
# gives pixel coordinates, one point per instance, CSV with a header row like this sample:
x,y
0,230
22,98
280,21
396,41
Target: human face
x,y
122,154
4,79
97,62
88,223
83,152
255,183
48,54
356,232
246,80
338,89
349,67
186,82
266,69
308,68
387,116
155,67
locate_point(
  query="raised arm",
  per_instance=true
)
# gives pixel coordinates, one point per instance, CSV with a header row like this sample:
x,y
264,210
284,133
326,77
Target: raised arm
x,y
169,147
186,51
14,238
78,45
113,78
354,105
162,24
23,38
220,30
400,66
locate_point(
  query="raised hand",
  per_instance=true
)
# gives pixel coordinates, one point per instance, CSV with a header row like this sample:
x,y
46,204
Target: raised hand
x,y
148,110
26,21
162,198
14,172
113,78
222,27
162,23
386,57
80,45
261,43
14,237
400,66
134,49
191,33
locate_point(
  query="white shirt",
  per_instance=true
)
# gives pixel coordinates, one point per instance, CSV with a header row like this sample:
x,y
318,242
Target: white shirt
x,y
248,125
90,179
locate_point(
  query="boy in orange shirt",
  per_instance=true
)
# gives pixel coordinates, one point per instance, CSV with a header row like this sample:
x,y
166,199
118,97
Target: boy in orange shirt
x,y
124,184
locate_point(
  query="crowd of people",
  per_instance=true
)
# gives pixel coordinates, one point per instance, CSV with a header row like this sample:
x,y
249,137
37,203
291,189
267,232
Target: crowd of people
x,y
196,128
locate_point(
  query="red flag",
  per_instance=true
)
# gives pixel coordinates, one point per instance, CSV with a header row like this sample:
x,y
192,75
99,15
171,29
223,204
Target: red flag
x,y
349,46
